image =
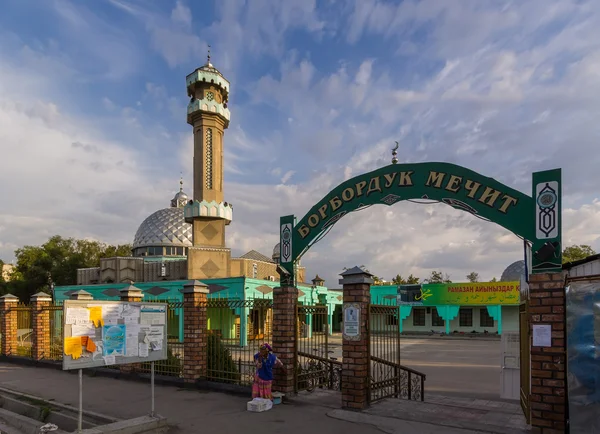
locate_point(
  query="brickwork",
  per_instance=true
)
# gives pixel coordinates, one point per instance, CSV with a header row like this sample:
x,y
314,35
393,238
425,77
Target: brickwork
x,y
285,301
355,367
195,335
40,323
548,382
8,324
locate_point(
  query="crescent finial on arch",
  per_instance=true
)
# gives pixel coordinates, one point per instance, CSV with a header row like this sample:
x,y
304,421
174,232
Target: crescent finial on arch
x,y
397,145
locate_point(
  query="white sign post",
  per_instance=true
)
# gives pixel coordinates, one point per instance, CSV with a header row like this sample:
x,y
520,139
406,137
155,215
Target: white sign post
x,y
351,321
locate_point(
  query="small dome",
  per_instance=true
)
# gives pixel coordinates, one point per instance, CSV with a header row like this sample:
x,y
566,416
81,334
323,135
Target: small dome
x,y
166,227
180,199
276,251
513,272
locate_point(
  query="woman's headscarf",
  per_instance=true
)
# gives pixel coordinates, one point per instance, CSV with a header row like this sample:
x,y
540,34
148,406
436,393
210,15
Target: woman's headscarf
x,y
267,347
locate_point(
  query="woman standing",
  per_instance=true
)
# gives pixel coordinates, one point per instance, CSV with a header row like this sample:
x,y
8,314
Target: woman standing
x,y
265,361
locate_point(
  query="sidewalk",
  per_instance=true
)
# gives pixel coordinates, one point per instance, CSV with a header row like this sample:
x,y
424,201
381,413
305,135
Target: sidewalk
x,y
192,411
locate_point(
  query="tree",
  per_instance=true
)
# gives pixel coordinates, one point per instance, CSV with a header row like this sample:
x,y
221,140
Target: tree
x,y
494,279
412,280
473,277
577,252
438,277
399,280
56,262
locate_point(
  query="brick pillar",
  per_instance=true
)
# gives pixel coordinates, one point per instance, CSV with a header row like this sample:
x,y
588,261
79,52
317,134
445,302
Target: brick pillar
x,y
81,295
285,302
8,324
133,295
195,333
548,383
356,285
40,323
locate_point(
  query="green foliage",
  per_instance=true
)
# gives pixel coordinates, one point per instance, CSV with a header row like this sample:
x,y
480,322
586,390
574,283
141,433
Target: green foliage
x,y
577,252
220,364
494,279
56,261
438,277
410,280
473,277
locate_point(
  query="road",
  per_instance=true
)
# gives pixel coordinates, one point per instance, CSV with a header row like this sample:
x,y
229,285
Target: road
x,y
461,367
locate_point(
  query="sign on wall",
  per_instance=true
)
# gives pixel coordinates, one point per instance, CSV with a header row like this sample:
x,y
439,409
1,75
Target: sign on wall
x,y
465,294
103,333
351,320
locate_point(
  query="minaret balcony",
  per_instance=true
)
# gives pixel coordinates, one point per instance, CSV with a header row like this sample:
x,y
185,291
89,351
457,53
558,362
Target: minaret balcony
x,y
203,105
211,76
195,209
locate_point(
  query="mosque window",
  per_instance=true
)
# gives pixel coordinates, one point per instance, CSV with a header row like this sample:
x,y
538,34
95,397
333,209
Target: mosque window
x,y
485,320
436,319
155,251
419,317
465,317
180,251
209,159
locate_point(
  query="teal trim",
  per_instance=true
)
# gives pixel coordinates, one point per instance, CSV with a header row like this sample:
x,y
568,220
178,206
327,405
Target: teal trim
x,y
164,258
496,313
405,311
447,313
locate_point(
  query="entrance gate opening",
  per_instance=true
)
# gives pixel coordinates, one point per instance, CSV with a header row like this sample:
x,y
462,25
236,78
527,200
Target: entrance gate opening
x,y
536,219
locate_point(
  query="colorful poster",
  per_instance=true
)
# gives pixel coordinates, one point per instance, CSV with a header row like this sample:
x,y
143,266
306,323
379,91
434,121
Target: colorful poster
x,y
470,294
113,337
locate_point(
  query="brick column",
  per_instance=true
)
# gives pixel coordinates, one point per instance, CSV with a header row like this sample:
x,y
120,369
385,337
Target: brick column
x,y
40,323
548,383
285,302
356,349
134,295
195,333
8,324
81,295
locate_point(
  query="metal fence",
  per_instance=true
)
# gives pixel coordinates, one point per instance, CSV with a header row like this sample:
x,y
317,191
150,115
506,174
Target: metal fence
x,y
387,377
315,368
24,330
236,330
55,311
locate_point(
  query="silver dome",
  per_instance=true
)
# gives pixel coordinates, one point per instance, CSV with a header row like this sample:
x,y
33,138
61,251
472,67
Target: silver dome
x,y
166,227
276,251
513,272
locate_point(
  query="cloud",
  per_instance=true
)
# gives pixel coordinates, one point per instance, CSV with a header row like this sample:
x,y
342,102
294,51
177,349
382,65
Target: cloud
x,y
171,37
320,93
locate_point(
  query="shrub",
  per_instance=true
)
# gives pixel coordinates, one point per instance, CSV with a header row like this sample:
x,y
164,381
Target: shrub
x,y
220,363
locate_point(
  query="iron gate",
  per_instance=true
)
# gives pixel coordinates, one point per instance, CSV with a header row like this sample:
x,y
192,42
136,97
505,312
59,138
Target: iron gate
x,y
387,377
315,367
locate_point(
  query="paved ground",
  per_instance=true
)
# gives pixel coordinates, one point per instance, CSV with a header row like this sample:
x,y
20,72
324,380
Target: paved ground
x,y
193,411
466,367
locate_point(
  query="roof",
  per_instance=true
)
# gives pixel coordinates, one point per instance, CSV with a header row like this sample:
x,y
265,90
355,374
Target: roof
x,y
256,256
591,258
355,271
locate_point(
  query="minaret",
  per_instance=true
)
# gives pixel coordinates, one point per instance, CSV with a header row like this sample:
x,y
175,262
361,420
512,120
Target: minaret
x,y
208,114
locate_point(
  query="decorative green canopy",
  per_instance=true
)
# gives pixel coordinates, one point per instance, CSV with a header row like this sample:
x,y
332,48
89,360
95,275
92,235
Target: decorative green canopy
x,y
537,221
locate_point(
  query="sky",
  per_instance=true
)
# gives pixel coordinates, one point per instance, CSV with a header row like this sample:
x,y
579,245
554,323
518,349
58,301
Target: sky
x,y
93,132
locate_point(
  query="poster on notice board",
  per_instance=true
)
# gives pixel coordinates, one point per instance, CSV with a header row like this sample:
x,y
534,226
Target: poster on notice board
x,y
105,333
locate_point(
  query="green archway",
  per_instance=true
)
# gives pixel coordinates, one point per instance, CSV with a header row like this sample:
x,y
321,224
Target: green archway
x,y
536,219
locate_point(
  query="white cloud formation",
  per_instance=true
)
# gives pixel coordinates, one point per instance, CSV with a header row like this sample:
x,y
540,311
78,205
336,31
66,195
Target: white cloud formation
x,y
507,91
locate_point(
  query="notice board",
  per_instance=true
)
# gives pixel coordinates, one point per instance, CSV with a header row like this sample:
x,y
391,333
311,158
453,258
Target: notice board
x,y
104,333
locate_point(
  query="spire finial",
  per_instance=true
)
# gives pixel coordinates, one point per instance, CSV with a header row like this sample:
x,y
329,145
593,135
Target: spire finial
x,y
208,56
181,181
395,153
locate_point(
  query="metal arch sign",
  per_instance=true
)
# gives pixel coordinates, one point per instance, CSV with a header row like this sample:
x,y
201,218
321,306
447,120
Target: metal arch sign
x,y
536,219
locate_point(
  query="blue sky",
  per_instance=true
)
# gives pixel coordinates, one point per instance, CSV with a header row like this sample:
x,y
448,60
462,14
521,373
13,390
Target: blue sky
x,y
93,132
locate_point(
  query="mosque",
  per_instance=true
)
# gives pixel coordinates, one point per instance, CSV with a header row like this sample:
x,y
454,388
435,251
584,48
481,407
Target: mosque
x,y
186,241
